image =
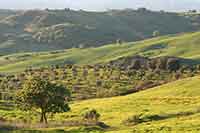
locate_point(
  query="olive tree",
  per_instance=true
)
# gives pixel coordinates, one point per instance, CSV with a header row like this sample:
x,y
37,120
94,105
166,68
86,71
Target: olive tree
x,y
39,94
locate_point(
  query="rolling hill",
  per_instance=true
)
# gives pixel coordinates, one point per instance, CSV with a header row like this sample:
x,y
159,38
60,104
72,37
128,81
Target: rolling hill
x,y
141,59
173,107
180,45
46,30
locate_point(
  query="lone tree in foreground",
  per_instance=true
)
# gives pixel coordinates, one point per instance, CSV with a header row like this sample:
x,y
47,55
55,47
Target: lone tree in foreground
x,y
44,95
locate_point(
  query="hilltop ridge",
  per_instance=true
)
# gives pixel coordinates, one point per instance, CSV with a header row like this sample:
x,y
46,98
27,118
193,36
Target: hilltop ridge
x,y
46,30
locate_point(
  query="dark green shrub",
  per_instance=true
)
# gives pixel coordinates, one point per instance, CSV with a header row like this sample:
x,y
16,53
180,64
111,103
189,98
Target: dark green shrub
x,y
91,116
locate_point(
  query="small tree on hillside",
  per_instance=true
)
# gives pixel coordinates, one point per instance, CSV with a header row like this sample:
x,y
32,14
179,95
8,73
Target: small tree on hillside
x,y
156,33
44,95
119,41
91,116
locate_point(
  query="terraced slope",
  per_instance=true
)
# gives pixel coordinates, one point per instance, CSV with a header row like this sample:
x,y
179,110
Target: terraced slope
x,y
181,45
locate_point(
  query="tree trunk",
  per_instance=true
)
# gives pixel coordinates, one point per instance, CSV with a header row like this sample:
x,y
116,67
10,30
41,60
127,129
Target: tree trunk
x,y
45,118
42,118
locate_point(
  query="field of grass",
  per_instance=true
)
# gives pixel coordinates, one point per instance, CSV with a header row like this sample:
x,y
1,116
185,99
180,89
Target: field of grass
x,y
181,45
174,107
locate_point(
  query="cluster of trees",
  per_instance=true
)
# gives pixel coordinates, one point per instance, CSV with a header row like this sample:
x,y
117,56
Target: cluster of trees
x,y
192,11
140,62
120,77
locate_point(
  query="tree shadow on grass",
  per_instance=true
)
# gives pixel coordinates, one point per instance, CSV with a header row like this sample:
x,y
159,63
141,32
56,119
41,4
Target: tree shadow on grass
x,y
79,130
5,129
149,118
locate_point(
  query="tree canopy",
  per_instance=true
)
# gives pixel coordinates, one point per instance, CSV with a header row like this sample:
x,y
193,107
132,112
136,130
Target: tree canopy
x,y
44,95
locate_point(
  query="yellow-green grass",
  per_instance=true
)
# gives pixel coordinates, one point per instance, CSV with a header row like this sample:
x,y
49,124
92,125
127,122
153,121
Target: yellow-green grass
x,y
186,45
174,107
178,101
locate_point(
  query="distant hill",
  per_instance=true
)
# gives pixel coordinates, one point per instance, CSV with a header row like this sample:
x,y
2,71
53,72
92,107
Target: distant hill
x,y
44,30
181,45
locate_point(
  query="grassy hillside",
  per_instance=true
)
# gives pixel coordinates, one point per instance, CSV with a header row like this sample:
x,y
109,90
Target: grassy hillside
x,y
36,30
177,102
173,107
173,100
181,45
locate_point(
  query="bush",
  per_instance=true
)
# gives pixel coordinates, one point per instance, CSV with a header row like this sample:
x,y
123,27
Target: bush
x,y
173,64
156,33
91,116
